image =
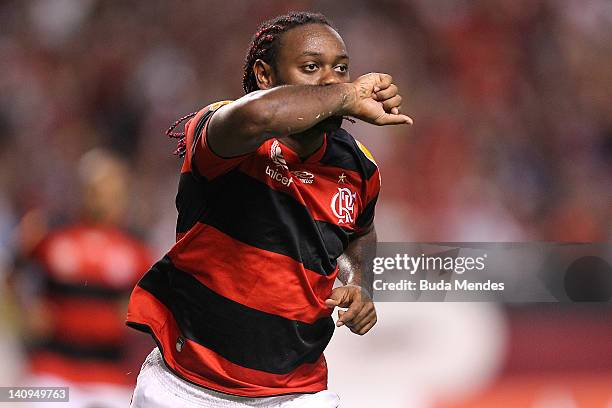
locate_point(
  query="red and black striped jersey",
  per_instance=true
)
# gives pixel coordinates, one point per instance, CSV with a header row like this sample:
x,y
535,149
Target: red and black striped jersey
x,y
238,304
85,273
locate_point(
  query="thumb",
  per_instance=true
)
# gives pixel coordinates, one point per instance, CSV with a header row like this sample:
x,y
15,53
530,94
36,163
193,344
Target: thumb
x,y
331,303
391,119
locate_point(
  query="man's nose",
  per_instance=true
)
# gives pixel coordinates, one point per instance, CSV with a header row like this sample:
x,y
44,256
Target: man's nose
x,y
329,78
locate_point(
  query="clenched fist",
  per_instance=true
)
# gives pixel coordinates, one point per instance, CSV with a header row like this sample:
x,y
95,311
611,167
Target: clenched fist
x,y
377,100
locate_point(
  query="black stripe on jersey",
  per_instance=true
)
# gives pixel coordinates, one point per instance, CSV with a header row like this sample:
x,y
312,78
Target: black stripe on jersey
x,y
190,201
245,336
196,139
107,353
342,151
255,214
56,288
367,215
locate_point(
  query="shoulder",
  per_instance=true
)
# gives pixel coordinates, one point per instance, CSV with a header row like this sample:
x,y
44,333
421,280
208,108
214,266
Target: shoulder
x,y
344,151
205,113
216,105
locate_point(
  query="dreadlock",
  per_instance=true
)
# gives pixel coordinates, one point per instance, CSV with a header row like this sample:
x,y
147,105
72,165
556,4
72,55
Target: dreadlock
x,y
265,42
264,46
181,146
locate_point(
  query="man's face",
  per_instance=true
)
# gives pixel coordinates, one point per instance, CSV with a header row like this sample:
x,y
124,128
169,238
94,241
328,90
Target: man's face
x,y
312,54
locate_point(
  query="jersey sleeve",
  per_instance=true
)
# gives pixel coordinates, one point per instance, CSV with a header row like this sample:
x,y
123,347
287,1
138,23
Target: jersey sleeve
x,y
370,191
200,159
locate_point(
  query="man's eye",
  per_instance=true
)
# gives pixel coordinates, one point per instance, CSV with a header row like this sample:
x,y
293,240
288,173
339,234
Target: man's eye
x,y
342,68
310,67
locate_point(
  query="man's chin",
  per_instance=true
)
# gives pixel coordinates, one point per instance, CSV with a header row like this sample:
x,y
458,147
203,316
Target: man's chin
x,y
330,124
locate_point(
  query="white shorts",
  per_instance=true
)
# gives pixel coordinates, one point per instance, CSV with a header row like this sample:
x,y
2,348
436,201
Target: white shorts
x,y
158,387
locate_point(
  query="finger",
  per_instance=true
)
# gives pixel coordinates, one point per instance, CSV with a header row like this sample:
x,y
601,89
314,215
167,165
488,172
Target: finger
x,y
391,103
339,322
371,315
350,314
331,303
362,316
366,313
395,111
389,119
387,93
384,82
367,327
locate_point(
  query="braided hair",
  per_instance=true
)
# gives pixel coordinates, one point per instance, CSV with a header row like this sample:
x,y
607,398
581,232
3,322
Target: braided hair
x,y
265,42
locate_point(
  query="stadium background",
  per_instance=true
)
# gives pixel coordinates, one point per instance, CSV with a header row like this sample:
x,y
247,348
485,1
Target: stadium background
x,y
512,101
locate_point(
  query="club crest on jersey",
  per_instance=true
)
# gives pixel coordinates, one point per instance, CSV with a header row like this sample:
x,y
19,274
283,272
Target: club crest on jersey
x,y
180,343
276,155
305,177
343,205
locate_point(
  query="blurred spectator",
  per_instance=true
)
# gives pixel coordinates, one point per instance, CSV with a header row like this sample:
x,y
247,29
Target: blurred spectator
x,y
72,286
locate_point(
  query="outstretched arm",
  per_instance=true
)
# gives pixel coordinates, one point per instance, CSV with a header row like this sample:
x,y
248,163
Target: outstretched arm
x,y
242,126
357,278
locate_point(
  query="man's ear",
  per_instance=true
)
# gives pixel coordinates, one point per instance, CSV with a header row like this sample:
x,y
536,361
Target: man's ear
x,y
264,74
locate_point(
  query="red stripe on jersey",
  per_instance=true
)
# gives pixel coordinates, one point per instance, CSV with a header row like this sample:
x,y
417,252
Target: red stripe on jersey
x,y
256,278
189,140
209,164
372,188
218,373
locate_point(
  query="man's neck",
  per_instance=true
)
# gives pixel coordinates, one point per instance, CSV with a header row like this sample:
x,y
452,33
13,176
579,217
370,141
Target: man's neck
x,y
305,143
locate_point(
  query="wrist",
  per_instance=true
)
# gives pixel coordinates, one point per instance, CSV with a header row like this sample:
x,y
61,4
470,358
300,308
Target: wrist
x,y
348,103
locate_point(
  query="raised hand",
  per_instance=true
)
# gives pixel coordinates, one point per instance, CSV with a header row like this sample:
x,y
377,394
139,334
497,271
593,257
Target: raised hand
x,y
377,100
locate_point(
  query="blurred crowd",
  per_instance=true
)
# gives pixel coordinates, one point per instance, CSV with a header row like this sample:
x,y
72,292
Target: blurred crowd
x,y
512,102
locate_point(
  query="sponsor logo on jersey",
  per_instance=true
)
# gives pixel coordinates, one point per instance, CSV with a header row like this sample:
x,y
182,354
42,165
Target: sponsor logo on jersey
x,y
276,155
343,205
278,176
305,177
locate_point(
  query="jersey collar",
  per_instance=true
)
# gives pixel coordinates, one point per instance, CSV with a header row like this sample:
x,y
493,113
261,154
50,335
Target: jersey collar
x,y
293,157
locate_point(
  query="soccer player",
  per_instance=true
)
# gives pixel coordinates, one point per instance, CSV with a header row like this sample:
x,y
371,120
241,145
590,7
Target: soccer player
x,y
72,288
273,196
